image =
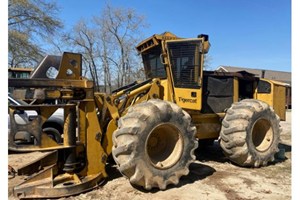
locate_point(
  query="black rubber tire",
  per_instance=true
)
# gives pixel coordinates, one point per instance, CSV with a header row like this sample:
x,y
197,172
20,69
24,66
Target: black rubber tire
x,y
53,133
146,156
250,133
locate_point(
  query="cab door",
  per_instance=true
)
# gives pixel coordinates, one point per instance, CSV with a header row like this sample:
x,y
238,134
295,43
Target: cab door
x,y
186,60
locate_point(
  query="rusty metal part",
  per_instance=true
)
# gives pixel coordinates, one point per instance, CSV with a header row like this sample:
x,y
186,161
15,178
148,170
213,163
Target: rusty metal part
x,y
67,66
34,128
47,184
78,163
48,159
52,182
13,82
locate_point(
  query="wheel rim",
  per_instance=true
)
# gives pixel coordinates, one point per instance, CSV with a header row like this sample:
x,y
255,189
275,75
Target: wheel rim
x,y
164,146
262,135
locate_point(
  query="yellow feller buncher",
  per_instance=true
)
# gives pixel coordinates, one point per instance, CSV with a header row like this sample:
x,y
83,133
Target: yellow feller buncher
x,y
150,128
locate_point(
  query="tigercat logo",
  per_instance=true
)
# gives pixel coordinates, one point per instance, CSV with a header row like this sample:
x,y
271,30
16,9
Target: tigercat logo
x,y
184,100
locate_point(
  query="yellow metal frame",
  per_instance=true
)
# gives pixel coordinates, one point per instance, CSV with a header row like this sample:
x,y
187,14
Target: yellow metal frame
x,y
276,98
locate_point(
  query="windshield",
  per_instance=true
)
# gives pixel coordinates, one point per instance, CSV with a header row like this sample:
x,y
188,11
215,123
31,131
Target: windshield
x,y
153,66
185,63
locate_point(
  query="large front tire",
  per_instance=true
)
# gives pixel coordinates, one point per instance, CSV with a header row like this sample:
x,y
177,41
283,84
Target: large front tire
x,y
154,144
250,133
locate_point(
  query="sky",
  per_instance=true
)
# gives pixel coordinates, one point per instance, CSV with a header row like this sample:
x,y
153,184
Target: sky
x,y
242,33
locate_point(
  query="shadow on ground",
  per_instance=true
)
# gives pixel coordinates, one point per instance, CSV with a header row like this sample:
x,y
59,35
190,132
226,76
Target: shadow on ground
x,y
287,148
211,152
280,156
197,172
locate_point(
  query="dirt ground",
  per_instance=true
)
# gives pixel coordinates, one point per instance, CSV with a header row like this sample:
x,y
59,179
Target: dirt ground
x,y
211,177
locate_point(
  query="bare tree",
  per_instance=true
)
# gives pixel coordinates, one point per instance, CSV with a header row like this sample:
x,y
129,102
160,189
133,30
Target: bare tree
x,y
122,26
28,22
106,60
84,40
207,62
107,45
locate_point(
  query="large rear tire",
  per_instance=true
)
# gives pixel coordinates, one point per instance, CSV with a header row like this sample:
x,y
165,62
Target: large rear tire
x,y
250,133
154,144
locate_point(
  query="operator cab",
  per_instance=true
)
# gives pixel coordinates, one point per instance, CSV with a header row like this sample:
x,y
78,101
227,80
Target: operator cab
x,y
179,62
